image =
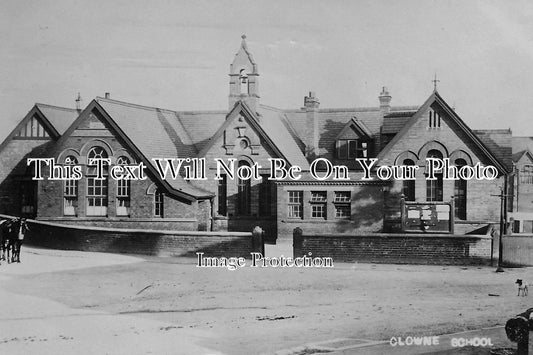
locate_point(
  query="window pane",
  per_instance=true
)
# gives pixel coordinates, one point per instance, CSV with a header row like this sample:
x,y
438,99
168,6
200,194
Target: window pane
x,y
343,149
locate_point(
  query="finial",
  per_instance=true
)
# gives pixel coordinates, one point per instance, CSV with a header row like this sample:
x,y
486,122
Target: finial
x,y
435,81
78,102
243,43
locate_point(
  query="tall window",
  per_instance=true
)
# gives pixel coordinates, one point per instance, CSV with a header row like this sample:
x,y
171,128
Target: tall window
x,y
265,196
243,80
96,188
409,185
460,193
434,188
342,203
319,204
223,195
351,149
244,194
296,204
123,191
159,203
70,191
526,174
27,196
434,119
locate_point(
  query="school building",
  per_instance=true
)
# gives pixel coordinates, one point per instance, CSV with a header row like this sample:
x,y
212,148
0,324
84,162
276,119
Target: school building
x,y
252,133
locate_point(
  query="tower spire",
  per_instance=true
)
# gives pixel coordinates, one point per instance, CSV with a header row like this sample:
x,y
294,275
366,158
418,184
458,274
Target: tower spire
x,y
244,78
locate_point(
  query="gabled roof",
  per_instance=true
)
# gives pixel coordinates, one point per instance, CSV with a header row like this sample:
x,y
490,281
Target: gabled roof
x,y
131,122
59,117
357,126
522,143
518,155
332,121
270,127
497,158
54,119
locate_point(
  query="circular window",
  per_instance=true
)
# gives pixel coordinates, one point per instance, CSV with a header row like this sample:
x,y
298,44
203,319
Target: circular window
x,y
243,144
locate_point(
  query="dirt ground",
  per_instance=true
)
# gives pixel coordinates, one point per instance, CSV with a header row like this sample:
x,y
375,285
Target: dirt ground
x,y
94,303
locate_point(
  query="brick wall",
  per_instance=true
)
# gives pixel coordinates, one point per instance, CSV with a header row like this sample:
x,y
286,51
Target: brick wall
x,y
482,205
13,157
179,214
397,248
160,243
518,250
366,207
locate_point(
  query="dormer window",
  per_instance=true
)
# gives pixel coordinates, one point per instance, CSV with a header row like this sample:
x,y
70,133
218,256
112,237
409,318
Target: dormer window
x,y
434,119
352,148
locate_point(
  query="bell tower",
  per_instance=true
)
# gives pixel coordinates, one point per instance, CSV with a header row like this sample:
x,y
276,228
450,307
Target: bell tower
x,y
244,78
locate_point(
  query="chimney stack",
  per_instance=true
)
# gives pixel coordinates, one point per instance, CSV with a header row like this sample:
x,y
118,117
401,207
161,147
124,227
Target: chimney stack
x,y
107,95
384,100
310,138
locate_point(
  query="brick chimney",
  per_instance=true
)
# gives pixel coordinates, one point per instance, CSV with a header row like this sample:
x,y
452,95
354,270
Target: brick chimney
x,y
384,101
310,137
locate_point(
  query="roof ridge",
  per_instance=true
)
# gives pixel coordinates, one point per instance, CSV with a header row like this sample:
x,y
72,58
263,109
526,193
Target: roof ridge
x,y
129,104
342,109
56,107
500,130
153,108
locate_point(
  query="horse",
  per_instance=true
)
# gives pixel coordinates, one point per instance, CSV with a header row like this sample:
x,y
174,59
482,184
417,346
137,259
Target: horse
x,y
8,233
18,237
3,238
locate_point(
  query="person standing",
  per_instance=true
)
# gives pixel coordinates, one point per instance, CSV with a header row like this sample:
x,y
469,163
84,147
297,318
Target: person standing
x,y
3,239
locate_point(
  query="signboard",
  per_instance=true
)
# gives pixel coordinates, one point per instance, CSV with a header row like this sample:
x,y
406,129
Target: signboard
x,y
427,217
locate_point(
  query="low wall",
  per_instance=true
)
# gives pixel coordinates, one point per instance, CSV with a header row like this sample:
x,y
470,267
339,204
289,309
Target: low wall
x,y
518,250
148,242
440,249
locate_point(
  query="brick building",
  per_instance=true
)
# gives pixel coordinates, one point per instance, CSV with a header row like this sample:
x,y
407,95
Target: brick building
x,y
252,134
521,207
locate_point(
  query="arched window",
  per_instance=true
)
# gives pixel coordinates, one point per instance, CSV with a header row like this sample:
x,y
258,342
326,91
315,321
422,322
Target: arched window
x,y
159,203
96,187
244,194
434,188
243,80
223,195
409,185
123,191
70,191
460,193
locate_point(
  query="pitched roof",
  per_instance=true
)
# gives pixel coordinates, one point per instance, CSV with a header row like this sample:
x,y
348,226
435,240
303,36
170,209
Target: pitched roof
x,y
518,155
166,138
394,121
498,141
332,121
59,117
55,119
495,144
275,126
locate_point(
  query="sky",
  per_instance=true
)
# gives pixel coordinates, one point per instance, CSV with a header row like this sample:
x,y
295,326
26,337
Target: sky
x,y
176,54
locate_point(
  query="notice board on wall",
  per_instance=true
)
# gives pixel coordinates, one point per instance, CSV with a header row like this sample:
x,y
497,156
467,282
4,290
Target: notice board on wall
x,y
427,217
